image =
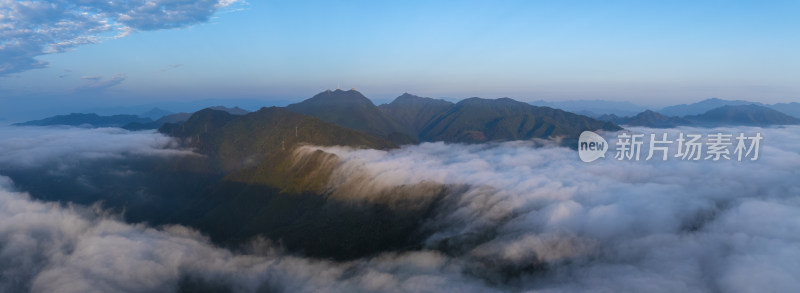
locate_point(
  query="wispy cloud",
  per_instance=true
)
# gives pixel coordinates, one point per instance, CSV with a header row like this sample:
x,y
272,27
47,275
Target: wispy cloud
x,y
170,67
23,147
29,29
65,73
97,83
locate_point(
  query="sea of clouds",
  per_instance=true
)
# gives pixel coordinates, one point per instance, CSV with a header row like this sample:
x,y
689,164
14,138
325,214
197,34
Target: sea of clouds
x,y
531,217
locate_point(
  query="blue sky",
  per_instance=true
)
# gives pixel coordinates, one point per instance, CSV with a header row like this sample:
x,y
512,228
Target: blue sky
x,y
653,54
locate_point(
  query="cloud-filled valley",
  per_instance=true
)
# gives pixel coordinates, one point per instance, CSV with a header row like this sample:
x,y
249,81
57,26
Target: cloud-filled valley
x,y
513,216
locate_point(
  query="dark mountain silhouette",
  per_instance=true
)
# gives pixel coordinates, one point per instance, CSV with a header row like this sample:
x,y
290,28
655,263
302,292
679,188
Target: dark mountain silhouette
x,y
647,118
266,190
743,115
415,112
353,110
232,111
238,141
479,120
91,119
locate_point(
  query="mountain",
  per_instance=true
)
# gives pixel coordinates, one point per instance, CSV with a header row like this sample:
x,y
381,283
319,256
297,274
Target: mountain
x,y
232,111
155,113
91,119
241,140
272,190
414,111
647,118
701,107
353,110
172,118
477,120
743,115
248,179
791,109
593,108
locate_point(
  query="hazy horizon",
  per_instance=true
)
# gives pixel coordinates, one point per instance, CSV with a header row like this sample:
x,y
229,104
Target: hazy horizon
x,y
57,55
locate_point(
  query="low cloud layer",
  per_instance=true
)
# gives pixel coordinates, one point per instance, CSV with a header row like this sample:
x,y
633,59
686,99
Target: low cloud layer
x,y
608,226
45,247
29,29
528,219
22,147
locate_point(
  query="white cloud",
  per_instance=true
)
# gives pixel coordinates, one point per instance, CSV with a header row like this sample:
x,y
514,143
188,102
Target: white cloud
x,y
36,146
528,218
649,226
48,248
29,29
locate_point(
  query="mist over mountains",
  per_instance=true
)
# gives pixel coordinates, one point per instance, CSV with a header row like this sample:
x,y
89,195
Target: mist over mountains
x,y
511,216
416,195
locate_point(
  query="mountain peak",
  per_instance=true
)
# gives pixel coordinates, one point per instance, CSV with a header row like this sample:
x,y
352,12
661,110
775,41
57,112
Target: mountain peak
x,y
650,113
411,99
353,110
232,111
337,97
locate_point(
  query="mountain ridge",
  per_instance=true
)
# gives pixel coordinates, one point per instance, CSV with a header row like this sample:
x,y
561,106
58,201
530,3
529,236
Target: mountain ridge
x,y
753,114
476,120
353,110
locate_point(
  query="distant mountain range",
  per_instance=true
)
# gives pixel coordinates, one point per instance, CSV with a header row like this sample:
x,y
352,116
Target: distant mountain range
x,y
701,107
749,115
593,108
754,115
647,118
791,109
609,109
152,119
91,120
411,119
